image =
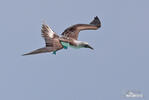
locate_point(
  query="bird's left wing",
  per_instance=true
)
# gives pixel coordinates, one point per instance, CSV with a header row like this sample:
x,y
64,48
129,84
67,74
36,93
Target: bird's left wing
x,y
74,30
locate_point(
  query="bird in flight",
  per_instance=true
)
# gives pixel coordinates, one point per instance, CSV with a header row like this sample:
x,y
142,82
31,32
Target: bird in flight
x,y
69,38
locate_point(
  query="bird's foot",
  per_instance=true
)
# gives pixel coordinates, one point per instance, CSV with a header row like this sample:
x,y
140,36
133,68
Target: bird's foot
x,y
65,47
54,52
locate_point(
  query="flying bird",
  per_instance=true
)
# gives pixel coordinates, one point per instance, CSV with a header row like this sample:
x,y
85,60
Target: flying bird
x,y
69,38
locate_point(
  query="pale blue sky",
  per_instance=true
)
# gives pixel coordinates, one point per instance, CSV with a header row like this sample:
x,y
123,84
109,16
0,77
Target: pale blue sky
x,y
118,64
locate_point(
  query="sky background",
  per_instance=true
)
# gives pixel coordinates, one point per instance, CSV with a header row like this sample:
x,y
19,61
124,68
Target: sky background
x,y
119,63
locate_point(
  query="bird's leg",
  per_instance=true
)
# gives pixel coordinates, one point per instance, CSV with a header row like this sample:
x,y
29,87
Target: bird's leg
x,y
54,52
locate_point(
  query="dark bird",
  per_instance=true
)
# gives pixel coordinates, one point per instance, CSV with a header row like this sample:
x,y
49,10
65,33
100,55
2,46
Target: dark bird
x,y
69,37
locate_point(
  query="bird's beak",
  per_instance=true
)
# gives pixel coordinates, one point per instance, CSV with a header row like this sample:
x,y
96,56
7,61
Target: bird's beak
x,y
88,46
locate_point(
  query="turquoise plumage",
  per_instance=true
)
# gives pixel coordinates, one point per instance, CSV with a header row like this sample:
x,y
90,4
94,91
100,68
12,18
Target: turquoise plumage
x,y
65,45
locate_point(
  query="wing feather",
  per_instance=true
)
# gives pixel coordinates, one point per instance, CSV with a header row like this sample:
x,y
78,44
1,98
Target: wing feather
x,y
48,35
74,30
51,38
40,50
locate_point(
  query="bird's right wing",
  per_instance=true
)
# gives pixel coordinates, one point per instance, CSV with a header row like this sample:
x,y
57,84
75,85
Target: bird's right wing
x,y
51,39
56,45
48,35
40,50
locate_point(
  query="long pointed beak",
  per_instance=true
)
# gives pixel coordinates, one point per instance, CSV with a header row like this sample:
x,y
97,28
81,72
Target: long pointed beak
x,y
90,47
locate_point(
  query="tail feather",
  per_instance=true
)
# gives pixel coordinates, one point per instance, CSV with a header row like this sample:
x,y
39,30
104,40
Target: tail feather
x,y
41,50
96,22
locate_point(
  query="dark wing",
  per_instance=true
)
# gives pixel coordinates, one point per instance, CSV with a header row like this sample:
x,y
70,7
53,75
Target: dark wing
x,y
51,38
56,45
74,30
40,50
48,35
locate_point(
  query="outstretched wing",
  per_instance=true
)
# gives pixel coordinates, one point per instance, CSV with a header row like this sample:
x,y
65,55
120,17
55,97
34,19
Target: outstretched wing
x,y
56,45
74,30
40,50
48,35
51,39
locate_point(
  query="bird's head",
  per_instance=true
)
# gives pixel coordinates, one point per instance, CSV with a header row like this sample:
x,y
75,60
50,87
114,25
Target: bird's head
x,y
86,45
